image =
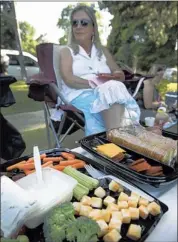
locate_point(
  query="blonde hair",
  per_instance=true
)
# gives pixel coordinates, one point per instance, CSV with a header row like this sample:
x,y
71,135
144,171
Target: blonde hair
x,y
96,39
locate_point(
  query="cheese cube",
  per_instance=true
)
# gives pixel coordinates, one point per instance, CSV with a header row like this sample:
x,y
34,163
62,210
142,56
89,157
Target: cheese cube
x,y
143,201
103,227
113,186
112,236
132,202
126,218
123,197
106,215
116,215
100,192
134,213
135,195
95,214
112,207
86,200
143,212
85,210
134,232
96,202
115,224
121,188
76,206
108,200
122,204
154,209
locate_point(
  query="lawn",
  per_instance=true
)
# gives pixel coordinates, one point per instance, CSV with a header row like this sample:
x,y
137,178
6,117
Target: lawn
x,y
23,102
39,137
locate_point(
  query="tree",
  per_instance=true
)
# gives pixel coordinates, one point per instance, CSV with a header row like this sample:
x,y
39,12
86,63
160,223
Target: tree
x,y
64,22
143,32
29,42
27,32
8,40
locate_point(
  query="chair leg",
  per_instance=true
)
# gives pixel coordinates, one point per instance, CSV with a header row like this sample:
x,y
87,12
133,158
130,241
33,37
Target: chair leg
x,y
64,116
74,122
52,127
47,127
69,129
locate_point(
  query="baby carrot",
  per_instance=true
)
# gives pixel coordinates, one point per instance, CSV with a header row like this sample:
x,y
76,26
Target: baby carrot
x,y
59,167
42,156
70,162
68,156
52,159
15,166
78,165
49,163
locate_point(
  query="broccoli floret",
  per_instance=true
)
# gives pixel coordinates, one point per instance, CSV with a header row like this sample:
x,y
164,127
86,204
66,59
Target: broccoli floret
x,y
56,222
20,238
83,230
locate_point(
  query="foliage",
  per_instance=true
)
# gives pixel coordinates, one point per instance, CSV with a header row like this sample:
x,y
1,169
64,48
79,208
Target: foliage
x,y
27,33
64,22
143,32
165,86
8,40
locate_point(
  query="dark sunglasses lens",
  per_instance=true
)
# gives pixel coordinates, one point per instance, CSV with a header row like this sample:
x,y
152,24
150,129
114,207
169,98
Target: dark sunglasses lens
x,y
74,23
84,23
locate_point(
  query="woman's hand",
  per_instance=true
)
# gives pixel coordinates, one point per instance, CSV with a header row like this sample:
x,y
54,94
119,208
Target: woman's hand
x,y
119,75
105,76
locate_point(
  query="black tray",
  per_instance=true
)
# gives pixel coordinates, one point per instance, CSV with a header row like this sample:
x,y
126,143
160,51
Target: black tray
x,y
148,225
169,134
36,235
121,169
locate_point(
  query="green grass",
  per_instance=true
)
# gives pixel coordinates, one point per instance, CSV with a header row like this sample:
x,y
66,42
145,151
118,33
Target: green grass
x,y
35,137
23,102
39,137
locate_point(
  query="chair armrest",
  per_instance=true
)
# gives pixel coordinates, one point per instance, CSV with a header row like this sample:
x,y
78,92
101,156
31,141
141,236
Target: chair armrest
x,y
61,96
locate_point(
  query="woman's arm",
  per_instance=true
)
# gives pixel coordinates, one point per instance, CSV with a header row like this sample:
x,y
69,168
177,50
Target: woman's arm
x,y
118,73
67,73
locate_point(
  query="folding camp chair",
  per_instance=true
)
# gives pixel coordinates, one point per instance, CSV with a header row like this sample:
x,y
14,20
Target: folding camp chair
x,y
46,87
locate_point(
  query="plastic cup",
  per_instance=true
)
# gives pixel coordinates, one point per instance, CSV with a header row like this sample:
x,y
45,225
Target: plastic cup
x,y
149,121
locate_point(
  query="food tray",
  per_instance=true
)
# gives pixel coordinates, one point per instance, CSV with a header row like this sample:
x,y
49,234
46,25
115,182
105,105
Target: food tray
x,y
148,225
121,168
36,235
170,134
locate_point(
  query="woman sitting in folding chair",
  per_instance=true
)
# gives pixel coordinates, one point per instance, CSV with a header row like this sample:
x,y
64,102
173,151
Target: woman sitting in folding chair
x,y
103,99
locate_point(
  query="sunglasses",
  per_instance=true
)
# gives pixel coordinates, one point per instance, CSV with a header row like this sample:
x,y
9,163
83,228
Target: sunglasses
x,y
82,22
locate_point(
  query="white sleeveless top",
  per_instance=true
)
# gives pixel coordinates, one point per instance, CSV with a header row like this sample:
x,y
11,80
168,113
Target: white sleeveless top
x,y
85,67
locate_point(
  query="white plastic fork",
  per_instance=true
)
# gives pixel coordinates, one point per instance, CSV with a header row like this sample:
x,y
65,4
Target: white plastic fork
x,y
94,172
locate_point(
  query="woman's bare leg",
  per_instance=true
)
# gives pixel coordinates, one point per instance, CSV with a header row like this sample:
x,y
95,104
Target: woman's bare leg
x,y
113,117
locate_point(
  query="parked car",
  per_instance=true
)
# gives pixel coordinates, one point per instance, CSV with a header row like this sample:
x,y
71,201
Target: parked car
x,y
14,69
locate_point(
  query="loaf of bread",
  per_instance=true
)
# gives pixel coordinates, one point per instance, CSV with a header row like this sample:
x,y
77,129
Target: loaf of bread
x,y
146,143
